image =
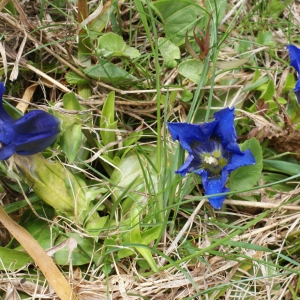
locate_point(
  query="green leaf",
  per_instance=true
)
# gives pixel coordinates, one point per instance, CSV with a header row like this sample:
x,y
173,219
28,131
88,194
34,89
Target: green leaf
x,y
71,102
72,136
265,38
282,166
59,188
256,83
132,138
177,17
85,252
11,260
38,227
108,72
247,176
98,24
268,91
169,52
74,78
71,141
268,177
276,7
289,83
135,238
128,173
108,123
191,69
186,95
111,44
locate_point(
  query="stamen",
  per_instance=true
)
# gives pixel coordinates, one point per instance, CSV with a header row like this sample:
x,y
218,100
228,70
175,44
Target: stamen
x,y
211,161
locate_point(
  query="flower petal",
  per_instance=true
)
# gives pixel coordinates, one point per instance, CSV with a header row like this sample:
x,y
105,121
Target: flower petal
x,y
7,134
4,116
294,56
187,134
7,151
35,131
190,165
225,131
37,121
35,144
246,158
215,185
295,63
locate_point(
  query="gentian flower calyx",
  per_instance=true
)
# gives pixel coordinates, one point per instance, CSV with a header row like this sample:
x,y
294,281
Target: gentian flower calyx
x,y
295,63
212,152
30,134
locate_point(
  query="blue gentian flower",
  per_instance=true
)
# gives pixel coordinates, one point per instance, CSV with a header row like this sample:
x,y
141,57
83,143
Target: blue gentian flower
x,y
295,62
30,134
213,152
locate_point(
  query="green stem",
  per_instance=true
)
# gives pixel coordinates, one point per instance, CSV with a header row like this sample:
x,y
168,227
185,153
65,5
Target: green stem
x,y
212,85
84,47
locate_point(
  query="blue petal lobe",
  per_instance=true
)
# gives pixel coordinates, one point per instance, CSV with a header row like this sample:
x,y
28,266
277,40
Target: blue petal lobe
x,y
36,121
35,144
294,56
297,92
215,185
225,131
4,116
295,63
35,132
187,134
246,158
189,166
2,89
186,166
7,151
7,134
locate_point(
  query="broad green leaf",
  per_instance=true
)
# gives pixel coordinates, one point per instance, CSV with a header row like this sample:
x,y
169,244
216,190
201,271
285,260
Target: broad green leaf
x,y
282,166
15,206
232,64
111,44
255,84
191,69
85,252
72,136
256,75
247,176
128,173
11,260
71,102
74,78
276,7
268,177
132,138
177,17
59,188
108,72
39,228
265,38
71,141
98,24
169,52
289,83
108,125
281,100
135,238
186,95
268,90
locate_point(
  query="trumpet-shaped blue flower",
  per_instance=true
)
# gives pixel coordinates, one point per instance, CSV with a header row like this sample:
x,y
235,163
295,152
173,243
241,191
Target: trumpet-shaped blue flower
x,y
295,63
30,134
212,152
